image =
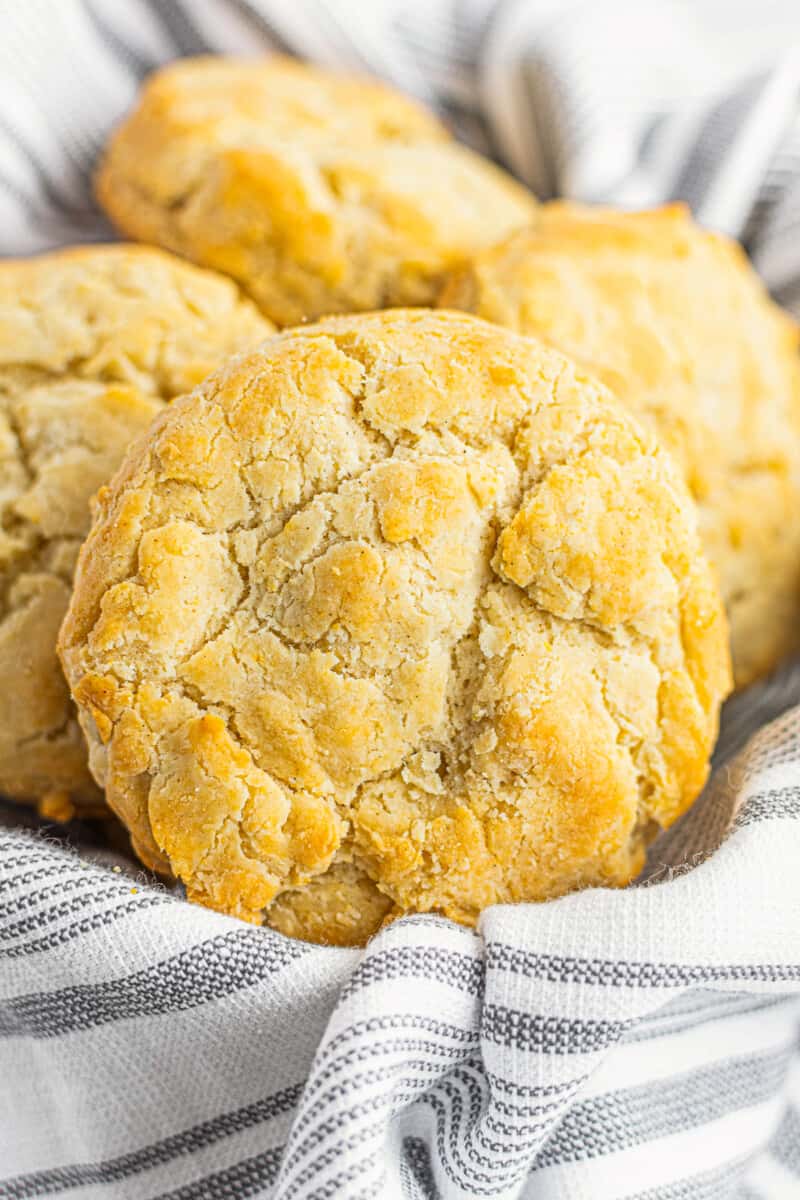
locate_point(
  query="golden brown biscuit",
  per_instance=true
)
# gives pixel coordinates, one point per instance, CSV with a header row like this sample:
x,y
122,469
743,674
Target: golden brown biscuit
x,y
319,192
676,322
91,342
342,907
406,599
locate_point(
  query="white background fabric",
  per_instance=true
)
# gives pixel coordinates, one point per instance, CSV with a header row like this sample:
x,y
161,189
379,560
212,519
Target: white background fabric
x,y
609,1045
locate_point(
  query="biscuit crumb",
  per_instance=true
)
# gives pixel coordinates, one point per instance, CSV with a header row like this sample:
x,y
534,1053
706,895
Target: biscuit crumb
x,y
56,806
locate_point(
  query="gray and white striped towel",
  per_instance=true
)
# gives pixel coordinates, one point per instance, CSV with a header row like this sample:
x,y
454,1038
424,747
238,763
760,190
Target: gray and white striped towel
x,y
608,1045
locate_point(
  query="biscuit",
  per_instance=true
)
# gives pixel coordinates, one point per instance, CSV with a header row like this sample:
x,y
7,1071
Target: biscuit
x,y
319,192
676,322
341,907
401,607
91,342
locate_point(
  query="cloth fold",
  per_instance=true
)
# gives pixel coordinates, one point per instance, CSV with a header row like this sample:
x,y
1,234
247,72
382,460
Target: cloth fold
x,y
632,1043
641,1043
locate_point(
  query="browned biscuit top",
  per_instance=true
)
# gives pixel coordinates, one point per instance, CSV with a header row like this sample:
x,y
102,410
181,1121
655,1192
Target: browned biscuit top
x,y
319,192
401,608
677,323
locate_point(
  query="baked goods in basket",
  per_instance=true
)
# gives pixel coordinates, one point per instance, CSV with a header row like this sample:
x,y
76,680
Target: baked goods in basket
x,y
91,342
403,609
677,323
319,192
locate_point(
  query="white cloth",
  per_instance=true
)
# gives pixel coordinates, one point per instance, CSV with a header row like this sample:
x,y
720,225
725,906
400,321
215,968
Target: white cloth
x,y
609,1045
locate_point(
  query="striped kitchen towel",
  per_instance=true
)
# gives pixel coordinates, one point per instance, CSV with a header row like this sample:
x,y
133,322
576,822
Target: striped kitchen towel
x,y
641,1043
621,101
606,1046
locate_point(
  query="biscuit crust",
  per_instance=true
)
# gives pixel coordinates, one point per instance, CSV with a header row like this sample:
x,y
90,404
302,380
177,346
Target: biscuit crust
x,y
319,192
401,608
92,341
678,325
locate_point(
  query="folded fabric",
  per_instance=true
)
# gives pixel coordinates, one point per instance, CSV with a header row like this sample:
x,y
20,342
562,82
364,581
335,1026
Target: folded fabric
x,y
641,1043
631,1043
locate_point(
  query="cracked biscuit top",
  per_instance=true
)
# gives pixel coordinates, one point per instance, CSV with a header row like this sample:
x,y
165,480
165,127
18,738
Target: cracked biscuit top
x,y
319,192
677,323
91,342
399,612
